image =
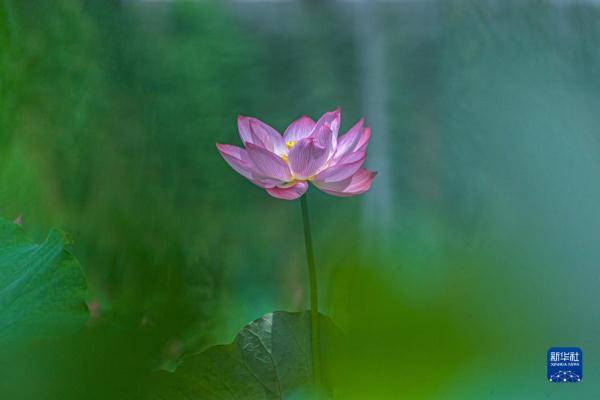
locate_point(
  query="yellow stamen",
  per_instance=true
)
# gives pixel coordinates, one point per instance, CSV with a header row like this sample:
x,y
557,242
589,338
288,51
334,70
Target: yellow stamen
x,y
289,145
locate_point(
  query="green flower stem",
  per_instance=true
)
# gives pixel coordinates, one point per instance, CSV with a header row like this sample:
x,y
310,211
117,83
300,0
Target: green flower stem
x,y
314,299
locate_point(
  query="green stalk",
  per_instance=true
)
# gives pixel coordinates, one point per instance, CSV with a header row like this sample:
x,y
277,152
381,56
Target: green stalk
x,y
314,299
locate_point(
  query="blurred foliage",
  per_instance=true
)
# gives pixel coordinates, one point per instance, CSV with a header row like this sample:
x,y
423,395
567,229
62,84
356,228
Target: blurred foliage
x,y
269,359
93,103
42,287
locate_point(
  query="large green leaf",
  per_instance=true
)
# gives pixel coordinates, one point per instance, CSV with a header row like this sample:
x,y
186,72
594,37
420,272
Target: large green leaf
x,y
269,359
42,286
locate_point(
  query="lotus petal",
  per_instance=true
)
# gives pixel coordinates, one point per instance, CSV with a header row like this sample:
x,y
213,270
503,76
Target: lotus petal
x,y
357,184
290,192
299,129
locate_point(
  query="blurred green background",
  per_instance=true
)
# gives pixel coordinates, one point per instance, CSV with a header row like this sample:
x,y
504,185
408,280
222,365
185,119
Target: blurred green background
x,y
475,251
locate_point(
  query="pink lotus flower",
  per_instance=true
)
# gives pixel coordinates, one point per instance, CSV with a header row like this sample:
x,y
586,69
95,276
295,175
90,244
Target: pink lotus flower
x,y
308,151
